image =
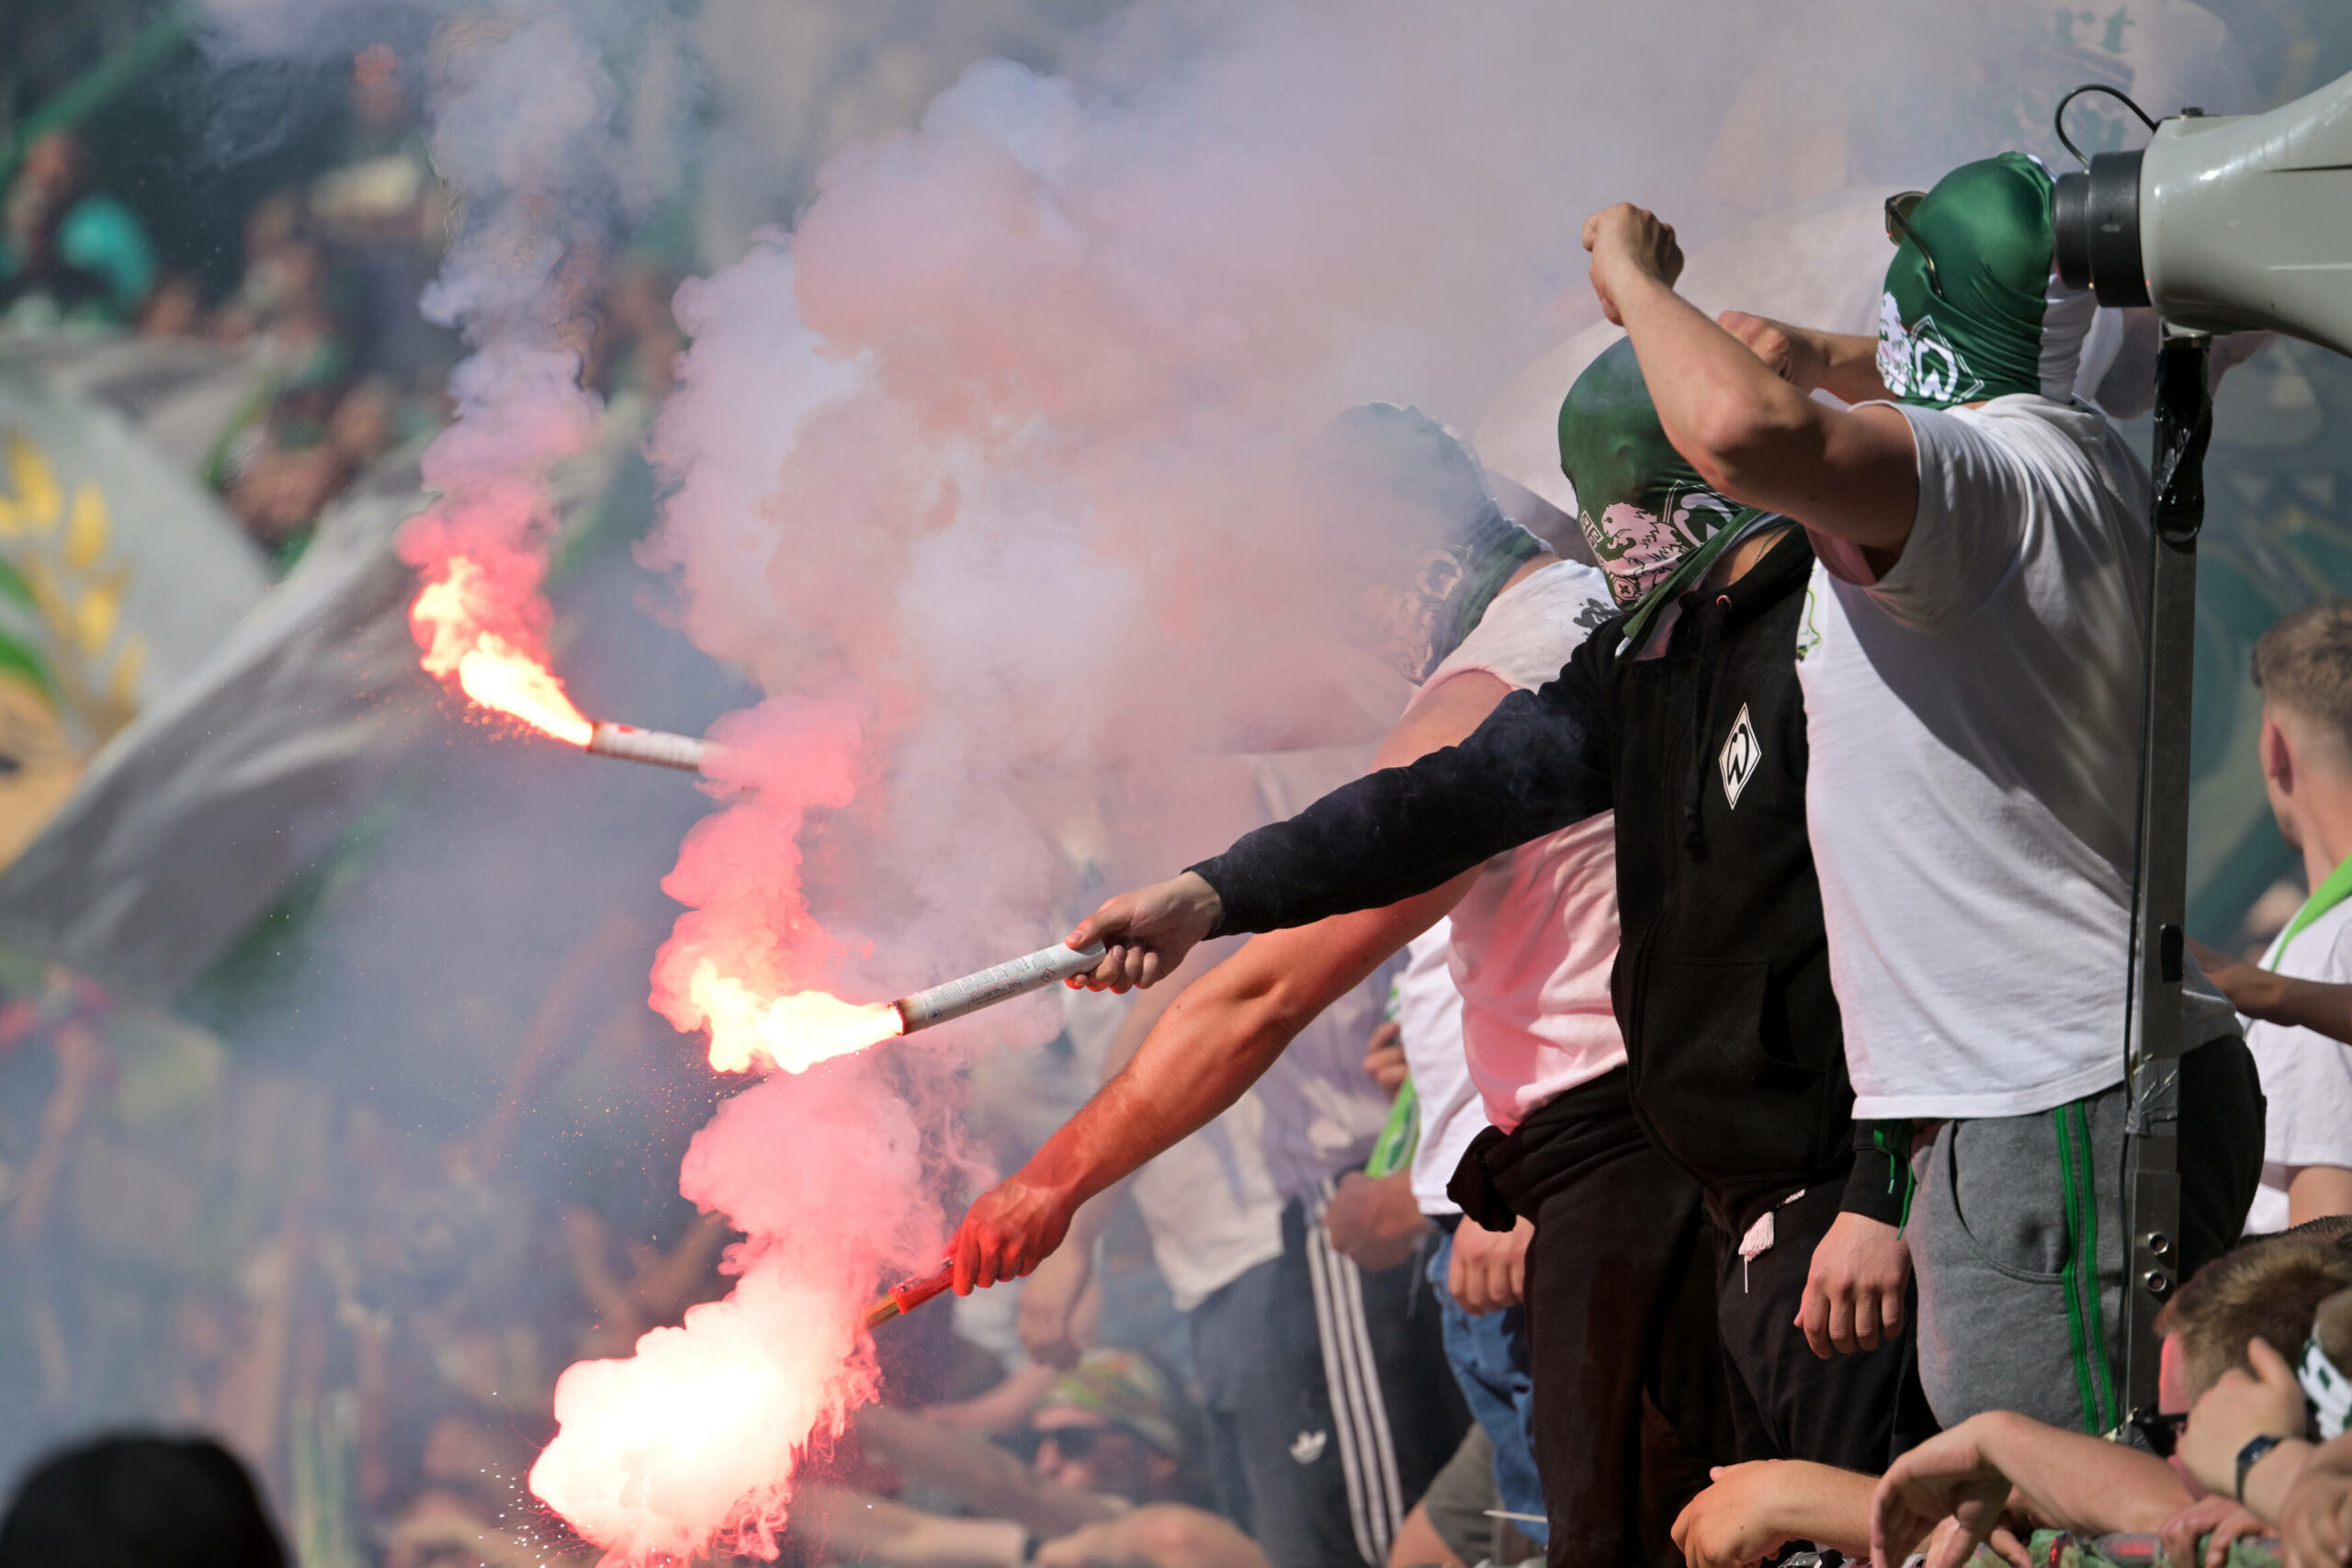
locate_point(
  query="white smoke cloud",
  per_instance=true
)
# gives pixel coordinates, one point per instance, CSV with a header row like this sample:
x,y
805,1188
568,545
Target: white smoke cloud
x,y
707,1422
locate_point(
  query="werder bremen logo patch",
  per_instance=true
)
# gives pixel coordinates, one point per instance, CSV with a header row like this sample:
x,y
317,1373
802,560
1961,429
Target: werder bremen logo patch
x,y
1919,361
1741,754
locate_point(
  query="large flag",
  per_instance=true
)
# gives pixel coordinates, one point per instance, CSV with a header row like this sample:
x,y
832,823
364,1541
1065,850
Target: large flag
x,y
194,816
118,575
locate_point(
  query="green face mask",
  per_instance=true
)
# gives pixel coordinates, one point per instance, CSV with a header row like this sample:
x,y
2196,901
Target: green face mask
x,y
1642,507
1971,309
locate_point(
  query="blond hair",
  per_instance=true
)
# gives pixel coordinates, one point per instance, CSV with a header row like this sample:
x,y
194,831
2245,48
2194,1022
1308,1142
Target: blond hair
x,y
2271,1287
2304,662
2332,1326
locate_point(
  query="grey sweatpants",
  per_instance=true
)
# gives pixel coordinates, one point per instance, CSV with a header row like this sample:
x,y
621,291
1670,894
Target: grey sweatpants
x,y
2017,1237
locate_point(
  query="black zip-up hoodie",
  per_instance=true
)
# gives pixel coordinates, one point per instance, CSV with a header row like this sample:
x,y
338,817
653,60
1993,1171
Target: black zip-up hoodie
x,y
1736,1054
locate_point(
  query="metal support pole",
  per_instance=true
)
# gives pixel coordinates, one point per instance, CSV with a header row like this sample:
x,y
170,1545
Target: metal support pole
x,y
2153,1037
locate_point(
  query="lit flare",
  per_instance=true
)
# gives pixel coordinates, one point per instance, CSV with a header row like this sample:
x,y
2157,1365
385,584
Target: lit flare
x,y
492,671
688,1447
794,1031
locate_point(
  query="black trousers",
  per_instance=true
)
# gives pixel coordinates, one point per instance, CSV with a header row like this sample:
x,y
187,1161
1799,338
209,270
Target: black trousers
x,y
1856,1412
1630,1403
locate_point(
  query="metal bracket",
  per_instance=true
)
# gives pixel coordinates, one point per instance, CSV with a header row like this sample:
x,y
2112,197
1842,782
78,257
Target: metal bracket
x,y
2152,1045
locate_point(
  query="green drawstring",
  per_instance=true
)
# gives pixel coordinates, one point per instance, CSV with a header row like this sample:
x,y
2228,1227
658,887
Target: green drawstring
x,y
1687,574
1898,1134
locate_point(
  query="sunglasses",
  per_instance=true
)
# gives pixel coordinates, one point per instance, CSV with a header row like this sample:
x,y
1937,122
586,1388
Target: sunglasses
x,y
1899,208
2160,1430
1075,1443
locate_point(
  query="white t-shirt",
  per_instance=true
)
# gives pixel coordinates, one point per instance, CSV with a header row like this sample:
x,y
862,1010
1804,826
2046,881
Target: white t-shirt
x,y
1323,1112
1536,934
1974,721
2306,1078
1428,1016
1210,1205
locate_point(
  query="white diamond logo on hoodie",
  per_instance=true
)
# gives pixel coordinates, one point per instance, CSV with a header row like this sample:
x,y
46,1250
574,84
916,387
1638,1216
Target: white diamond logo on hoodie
x,y
1740,756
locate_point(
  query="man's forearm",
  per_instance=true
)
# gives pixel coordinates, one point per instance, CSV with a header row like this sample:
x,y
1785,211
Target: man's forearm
x,y
1158,1535
984,1476
1823,1503
1849,367
853,1526
2073,1481
1219,1036
1538,764
1760,439
1722,407
2316,1005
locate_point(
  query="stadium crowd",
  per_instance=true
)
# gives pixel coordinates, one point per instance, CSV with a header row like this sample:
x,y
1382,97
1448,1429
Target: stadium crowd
x,y
339,366
1671,1108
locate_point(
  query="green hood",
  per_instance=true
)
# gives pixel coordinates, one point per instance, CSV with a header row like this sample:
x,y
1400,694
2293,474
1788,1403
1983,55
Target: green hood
x,y
1642,506
1423,529
2002,323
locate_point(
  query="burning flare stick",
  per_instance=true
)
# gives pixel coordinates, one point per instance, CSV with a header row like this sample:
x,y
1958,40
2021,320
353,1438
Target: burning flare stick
x,y
903,1298
453,618
658,747
991,987
800,1029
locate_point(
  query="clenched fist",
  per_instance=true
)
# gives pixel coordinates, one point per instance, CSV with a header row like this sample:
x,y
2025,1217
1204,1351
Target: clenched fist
x,y
1629,244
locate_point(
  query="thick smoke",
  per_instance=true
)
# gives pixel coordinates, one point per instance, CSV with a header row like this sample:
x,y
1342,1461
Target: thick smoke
x,y
989,473
706,1423
548,159
998,442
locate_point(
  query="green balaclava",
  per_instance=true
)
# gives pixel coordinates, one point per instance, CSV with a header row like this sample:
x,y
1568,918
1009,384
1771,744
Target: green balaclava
x,y
1423,529
1988,318
1652,521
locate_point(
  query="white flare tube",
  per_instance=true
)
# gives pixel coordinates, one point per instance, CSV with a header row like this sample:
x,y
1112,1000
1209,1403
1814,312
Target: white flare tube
x,y
658,747
991,987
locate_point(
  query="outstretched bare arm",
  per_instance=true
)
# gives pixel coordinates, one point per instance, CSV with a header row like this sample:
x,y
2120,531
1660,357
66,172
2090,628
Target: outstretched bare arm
x,y
1216,1038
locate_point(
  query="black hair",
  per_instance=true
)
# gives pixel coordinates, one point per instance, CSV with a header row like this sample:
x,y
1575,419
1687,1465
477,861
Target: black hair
x,y
139,1502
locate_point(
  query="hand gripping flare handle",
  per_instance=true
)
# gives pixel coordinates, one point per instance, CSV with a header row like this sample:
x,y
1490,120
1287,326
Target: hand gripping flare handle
x,y
991,987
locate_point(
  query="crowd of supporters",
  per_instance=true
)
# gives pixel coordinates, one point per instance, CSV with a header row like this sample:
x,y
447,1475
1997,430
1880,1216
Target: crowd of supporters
x,y
321,326
1671,1108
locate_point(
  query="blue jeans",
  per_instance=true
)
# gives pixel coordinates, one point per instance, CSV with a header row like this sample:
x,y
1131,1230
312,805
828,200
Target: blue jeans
x,y
1489,1355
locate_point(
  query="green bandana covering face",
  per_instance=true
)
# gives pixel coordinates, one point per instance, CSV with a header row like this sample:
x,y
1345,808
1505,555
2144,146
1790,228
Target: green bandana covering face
x,y
1990,319
1420,524
1642,506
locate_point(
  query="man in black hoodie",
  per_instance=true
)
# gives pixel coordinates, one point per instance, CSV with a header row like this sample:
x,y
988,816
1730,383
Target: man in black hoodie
x,y
1685,716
